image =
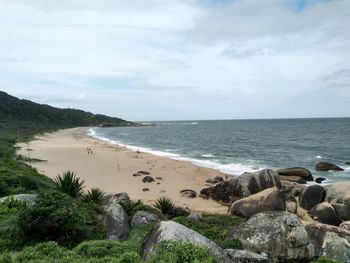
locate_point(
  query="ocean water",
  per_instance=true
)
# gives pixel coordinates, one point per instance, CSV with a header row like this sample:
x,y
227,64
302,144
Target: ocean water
x,y
237,146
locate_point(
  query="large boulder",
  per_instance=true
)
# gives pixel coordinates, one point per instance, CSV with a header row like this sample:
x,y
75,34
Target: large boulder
x,y
116,221
268,200
342,211
325,213
143,218
242,186
280,235
173,231
295,174
244,256
323,166
330,241
345,225
292,188
311,196
338,193
115,198
25,198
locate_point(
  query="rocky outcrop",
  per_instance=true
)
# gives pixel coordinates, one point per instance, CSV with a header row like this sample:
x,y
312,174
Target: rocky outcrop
x,y
242,186
148,179
25,198
143,218
325,213
215,180
188,193
172,231
268,200
115,198
323,166
330,241
295,174
244,256
338,193
280,235
116,221
311,196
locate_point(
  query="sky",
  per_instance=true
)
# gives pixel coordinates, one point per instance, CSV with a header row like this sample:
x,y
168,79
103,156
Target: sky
x,y
145,60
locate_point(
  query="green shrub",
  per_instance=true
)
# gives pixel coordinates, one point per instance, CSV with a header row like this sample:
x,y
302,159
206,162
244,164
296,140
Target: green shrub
x,y
165,205
175,252
131,207
70,184
102,248
9,230
214,227
6,258
324,260
94,195
57,217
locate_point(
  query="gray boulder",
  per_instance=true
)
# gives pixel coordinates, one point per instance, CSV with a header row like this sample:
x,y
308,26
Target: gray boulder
x,y
311,196
323,166
215,180
325,213
295,174
242,186
25,198
143,218
342,211
268,200
148,179
338,193
244,256
115,198
116,221
280,235
345,225
172,231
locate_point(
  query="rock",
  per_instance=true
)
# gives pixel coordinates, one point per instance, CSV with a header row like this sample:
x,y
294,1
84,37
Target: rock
x,y
115,198
245,256
242,186
145,189
136,175
143,218
292,188
348,162
120,197
345,225
194,218
311,196
330,241
116,222
172,231
338,193
188,193
324,213
159,178
267,200
144,172
25,198
216,179
323,166
342,211
293,178
280,235
295,172
320,180
148,179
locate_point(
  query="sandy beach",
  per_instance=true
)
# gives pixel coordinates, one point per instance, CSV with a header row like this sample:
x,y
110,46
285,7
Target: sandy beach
x,y
111,168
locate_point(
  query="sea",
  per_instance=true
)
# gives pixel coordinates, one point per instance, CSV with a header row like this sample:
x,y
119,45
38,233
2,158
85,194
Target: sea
x,y
238,146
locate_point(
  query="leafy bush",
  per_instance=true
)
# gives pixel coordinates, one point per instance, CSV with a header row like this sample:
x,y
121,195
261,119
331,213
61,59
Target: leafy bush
x,y
102,248
94,195
175,252
215,227
70,184
165,205
57,217
9,230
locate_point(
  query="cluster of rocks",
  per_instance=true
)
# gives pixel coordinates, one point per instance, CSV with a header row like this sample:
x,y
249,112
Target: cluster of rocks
x,y
147,178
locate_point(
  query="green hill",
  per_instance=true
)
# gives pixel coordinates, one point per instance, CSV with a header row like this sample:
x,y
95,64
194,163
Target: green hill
x,y
27,118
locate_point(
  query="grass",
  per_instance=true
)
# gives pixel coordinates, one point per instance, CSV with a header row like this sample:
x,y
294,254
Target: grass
x,y
70,184
94,195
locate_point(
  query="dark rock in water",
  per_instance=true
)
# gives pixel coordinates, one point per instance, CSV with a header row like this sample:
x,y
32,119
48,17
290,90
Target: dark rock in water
x,y
320,180
311,196
116,222
268,200
330,241
215,180
342,211
325,213
148,179
136,175
143,218
244,256
242,186
323,166
347,163
144,172
295,172
280,235
188,193
145,189
338,193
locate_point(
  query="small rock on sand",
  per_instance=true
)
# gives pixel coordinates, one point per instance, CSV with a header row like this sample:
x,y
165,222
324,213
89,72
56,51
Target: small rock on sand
x,y
136,174
148,179
188,193
143,172
145,189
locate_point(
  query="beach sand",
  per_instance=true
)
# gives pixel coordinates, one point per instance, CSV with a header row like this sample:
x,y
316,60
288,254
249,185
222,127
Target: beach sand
x,y
111,168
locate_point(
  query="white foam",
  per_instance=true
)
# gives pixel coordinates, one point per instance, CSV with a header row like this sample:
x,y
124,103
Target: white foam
x,y
318,157
208,155
231,169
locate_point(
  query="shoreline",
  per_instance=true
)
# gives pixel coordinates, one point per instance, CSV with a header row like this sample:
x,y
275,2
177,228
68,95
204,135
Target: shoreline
x,y
111,168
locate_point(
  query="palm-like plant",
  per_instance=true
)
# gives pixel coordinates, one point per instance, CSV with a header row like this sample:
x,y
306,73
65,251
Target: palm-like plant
x,y
70,184
94,195
165,205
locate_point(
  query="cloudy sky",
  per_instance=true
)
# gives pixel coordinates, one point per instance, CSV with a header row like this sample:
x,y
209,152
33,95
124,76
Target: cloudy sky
x,y
179,59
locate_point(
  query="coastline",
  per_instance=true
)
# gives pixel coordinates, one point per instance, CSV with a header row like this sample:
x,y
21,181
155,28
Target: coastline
x,y
111,168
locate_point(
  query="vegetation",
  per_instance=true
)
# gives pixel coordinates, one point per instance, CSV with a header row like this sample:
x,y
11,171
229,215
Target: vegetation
x,y
131,207
70,184
214,227
94,195
324,260
168,208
